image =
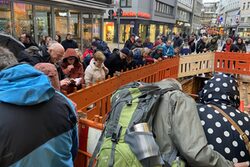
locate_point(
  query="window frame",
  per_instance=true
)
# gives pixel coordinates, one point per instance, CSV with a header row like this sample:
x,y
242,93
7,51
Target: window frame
x,y
126,4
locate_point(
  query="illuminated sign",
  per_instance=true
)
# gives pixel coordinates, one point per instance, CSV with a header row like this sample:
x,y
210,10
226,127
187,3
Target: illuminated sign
x,y
4,2
134,14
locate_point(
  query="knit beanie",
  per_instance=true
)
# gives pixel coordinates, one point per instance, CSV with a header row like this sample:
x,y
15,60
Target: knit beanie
x,y
125,51
51,71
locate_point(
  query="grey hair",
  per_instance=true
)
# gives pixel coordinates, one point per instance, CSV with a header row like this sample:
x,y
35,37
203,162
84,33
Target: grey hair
x,y
7,58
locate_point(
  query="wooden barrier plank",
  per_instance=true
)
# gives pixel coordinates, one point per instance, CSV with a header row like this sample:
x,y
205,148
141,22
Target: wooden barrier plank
x,y
196,64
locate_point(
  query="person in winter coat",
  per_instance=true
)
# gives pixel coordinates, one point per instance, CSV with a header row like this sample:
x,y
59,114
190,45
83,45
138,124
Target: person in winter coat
x,y
185,49
169,49
222,92
141,56
88,54
117,61
201,45
147,43
212,45
191,43
228,46
130,42
138,44
38,125
177,127
240,46
71,66
96,70
157,54
69,42
178,41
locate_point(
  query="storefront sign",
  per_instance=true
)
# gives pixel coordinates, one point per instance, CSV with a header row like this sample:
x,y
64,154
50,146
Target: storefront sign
x,y
144,15
4,3
134,14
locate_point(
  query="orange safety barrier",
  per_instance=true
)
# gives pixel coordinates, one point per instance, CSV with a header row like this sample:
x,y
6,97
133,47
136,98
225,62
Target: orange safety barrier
x,y
232,63
93,102
95,99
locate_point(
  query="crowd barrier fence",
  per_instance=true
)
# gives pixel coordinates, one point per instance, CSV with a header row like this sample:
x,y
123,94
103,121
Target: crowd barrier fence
x,y
93,102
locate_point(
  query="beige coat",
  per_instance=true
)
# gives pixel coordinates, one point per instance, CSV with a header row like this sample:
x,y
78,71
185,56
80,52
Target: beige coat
x,y
177,124
94,74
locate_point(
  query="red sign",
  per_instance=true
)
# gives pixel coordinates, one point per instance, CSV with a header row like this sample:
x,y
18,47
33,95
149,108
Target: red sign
x,y
134,14
144,15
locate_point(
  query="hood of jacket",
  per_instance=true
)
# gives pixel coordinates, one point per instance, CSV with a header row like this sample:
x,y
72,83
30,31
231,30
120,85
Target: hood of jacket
x,y
23,85
220,89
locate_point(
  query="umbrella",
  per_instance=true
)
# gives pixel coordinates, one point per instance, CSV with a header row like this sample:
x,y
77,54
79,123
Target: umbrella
x,y
11,43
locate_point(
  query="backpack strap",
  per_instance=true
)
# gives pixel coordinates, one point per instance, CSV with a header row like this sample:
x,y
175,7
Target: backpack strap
x,y
236,126
155,107
115,138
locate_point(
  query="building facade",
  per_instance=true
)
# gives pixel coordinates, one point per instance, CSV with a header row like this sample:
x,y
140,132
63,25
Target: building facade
x,y
196,20
184,16
40,18
210,14
230,12
145,18
244,26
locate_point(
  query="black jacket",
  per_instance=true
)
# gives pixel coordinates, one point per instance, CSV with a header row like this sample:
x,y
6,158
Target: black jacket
x,y
177,42
115,63
69,44
129,44
200,46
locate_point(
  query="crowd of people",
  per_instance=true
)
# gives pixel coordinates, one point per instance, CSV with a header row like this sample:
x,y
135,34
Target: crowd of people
x,y
24,90
98,61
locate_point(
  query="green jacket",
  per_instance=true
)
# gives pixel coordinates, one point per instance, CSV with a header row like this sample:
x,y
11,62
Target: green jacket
x,y
177,124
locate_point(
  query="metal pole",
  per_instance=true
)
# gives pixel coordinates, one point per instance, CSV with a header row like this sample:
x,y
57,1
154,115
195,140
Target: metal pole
x,y
118,24
118,30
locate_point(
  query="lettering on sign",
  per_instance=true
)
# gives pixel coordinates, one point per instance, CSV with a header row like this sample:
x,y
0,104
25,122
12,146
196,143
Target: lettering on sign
x,y
134,14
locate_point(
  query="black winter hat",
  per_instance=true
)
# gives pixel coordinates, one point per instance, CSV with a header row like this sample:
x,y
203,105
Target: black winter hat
x,y
125,51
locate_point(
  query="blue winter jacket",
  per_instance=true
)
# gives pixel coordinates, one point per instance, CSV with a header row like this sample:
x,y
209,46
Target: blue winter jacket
x,y
37,124
168,50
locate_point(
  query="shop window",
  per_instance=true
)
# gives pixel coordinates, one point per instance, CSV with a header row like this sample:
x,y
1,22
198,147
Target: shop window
x,y
152,32
161,29
97,26
126,3
143,31
61,22
74,24
87,30
124,33
5,17
43,22
108,34
23,19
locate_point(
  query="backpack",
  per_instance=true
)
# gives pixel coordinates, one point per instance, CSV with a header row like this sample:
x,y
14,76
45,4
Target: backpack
x,y
127,138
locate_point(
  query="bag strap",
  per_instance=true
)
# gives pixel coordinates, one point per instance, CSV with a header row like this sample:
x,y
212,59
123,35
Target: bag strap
x,y
236,126
155,106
